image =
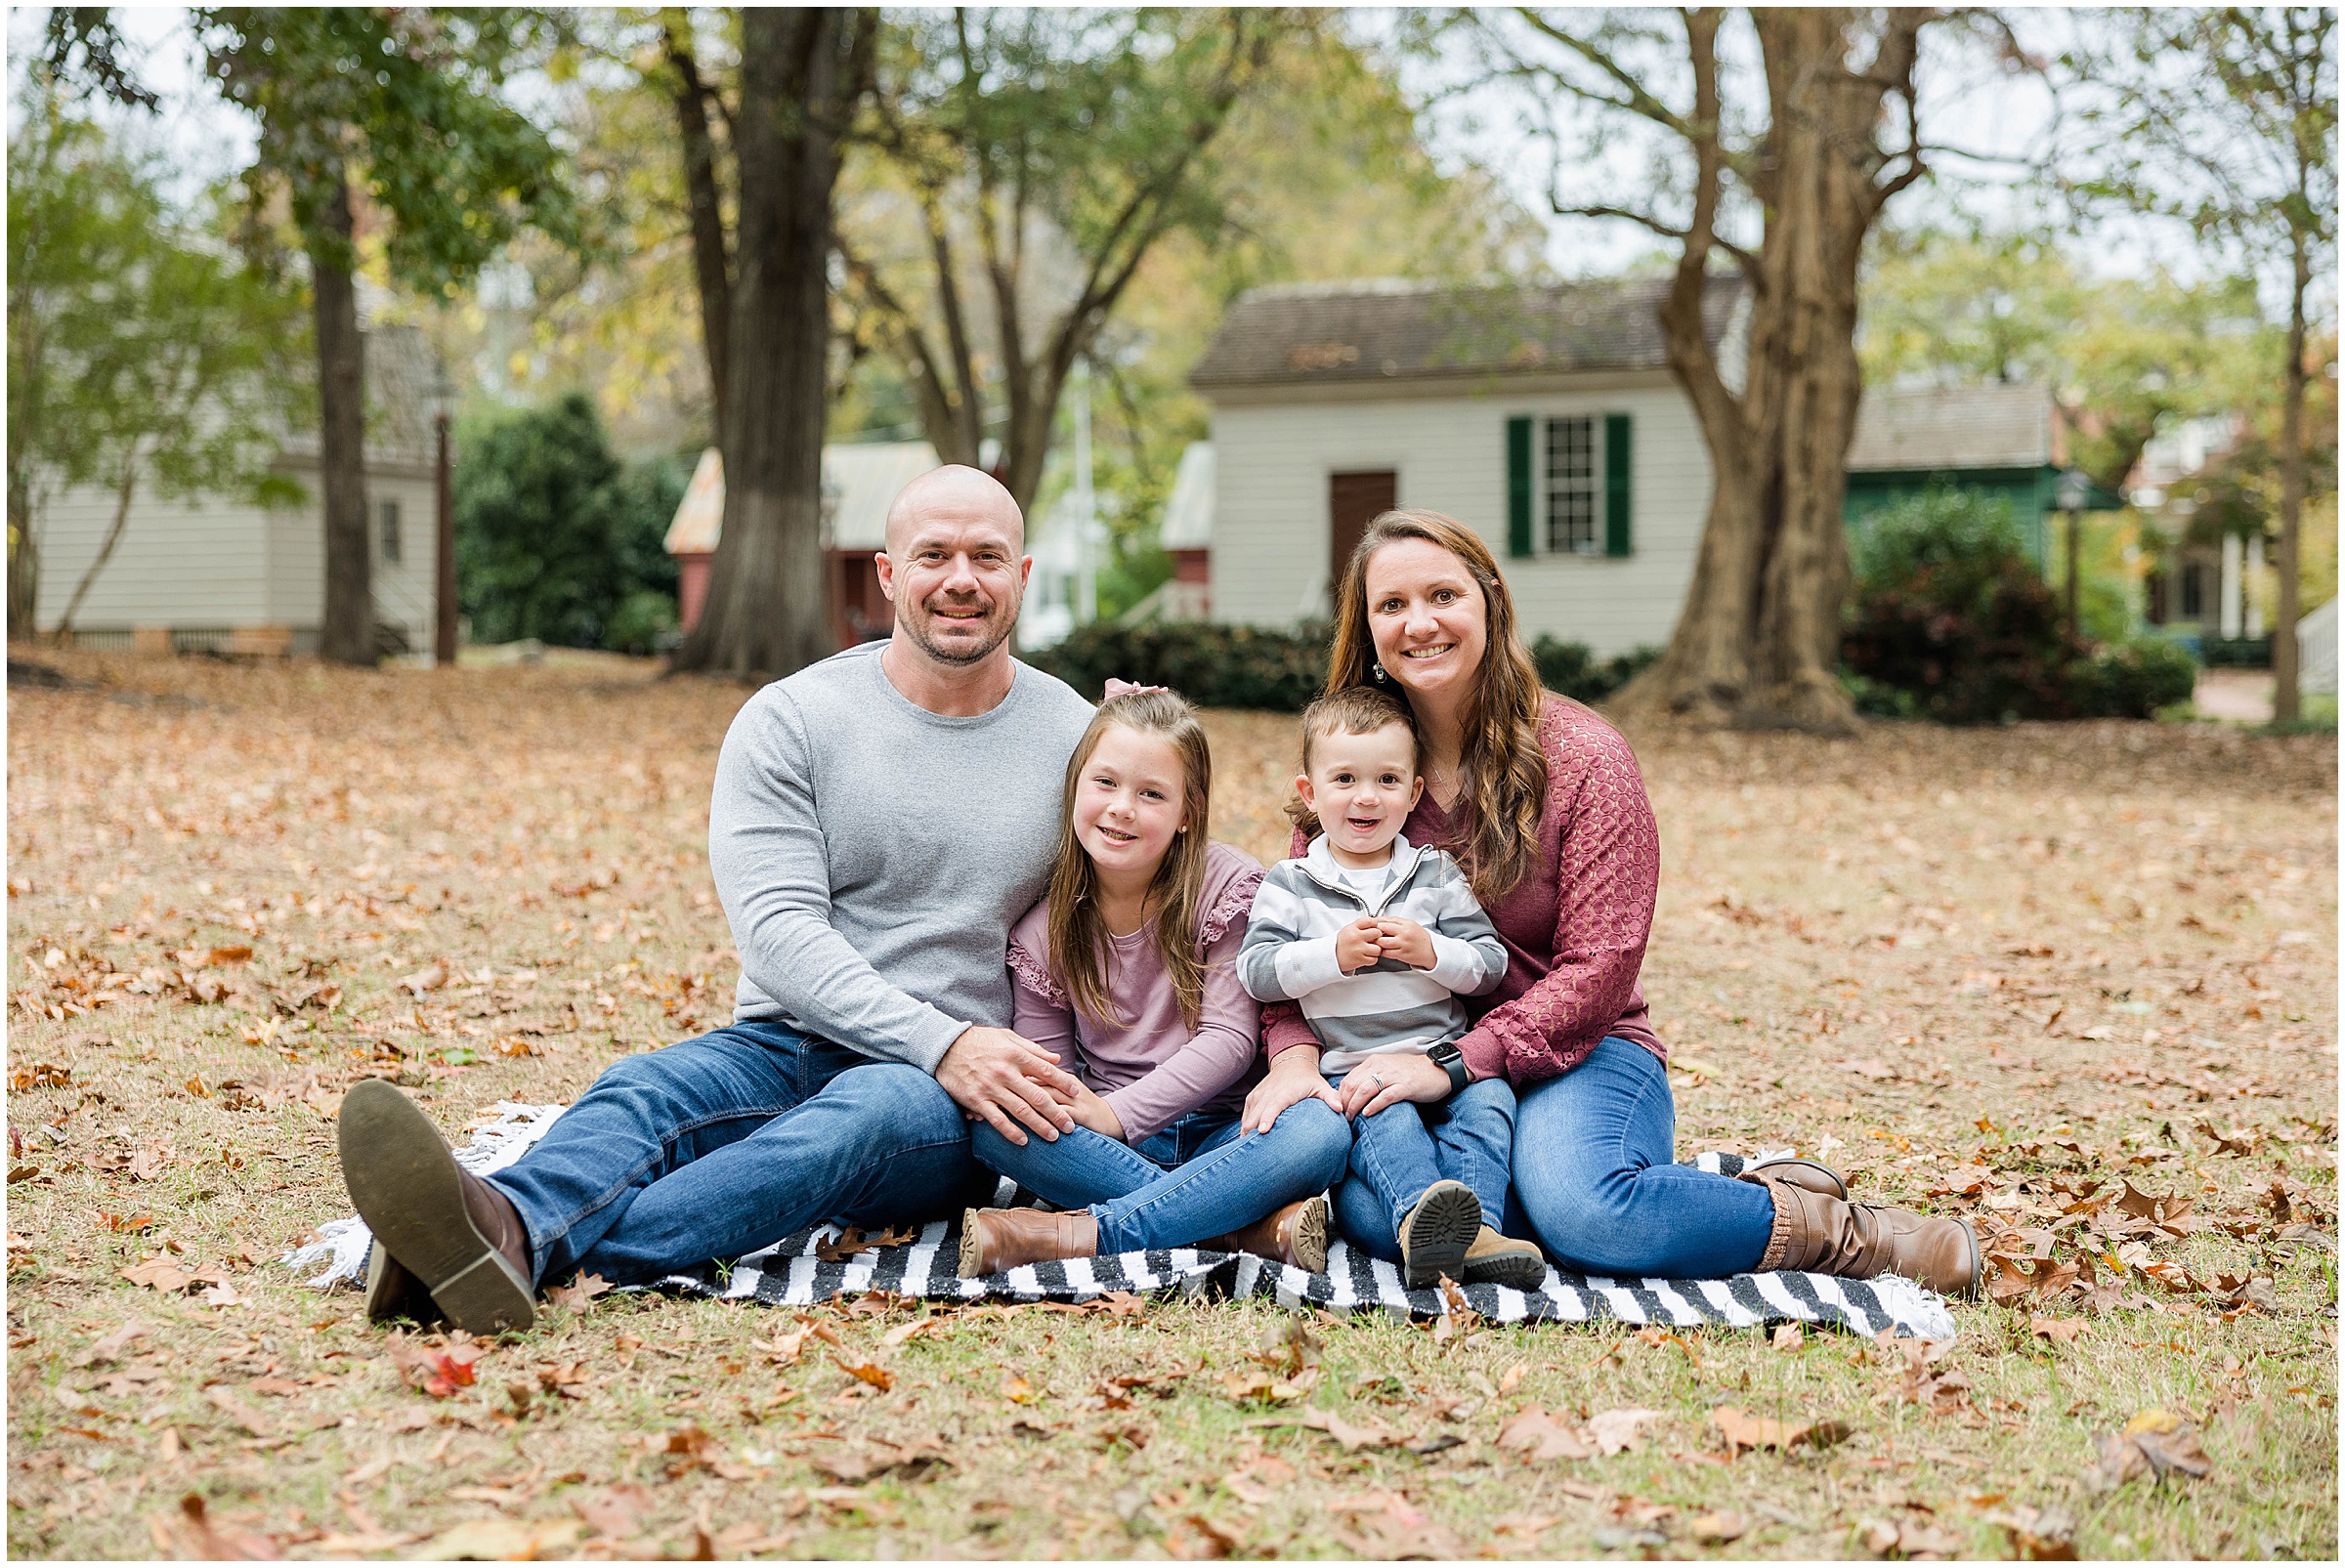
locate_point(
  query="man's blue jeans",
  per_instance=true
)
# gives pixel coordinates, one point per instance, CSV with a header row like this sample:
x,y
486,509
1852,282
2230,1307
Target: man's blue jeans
x,y
715,1147
1198,1178
1597,1189
1403,1149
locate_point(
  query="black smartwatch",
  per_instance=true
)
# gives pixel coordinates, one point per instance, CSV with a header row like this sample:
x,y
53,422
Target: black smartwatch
x,y
1451,1060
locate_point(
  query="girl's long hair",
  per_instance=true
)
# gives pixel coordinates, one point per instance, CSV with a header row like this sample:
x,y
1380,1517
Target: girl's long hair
x,y
1501,772
1078,935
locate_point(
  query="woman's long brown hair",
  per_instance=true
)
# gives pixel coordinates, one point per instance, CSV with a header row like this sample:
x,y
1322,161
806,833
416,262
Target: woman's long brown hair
x,y
1501,772
1078,935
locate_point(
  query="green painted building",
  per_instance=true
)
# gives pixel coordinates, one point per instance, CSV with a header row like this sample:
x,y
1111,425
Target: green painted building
x,y
2000,441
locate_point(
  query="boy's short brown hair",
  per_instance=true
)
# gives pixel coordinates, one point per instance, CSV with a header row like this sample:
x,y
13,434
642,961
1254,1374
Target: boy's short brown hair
x,y
1356,710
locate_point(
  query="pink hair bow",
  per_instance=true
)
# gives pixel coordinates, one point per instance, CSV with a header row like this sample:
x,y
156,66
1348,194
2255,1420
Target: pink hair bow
x,y
1117,688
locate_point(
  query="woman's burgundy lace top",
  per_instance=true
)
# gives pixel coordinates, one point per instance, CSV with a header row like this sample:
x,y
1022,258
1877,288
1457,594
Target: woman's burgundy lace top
x,y
1575,929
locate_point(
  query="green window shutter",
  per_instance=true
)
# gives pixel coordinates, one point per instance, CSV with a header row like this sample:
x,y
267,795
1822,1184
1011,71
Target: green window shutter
x,y
1518,487
1619,445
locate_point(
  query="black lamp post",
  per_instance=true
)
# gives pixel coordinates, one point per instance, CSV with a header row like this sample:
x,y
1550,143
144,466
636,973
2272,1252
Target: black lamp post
x,y
444,633
2074,489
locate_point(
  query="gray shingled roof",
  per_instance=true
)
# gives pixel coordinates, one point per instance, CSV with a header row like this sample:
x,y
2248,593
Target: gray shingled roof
x,y
1323,334
1953,427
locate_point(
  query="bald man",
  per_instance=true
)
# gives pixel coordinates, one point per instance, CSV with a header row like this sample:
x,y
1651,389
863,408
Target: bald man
x,y
879,820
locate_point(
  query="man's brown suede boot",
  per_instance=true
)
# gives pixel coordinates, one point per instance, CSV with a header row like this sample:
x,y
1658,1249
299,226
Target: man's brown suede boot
x,y
1296,1234
995,1240
1858,1241
445,1226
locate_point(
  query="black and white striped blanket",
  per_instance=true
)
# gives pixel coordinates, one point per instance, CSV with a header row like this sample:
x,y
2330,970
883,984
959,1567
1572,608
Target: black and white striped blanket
x,y
793,1273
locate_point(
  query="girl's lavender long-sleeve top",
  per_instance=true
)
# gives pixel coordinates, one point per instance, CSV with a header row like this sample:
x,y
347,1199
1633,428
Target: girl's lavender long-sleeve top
x,y
1576,930
1153,1068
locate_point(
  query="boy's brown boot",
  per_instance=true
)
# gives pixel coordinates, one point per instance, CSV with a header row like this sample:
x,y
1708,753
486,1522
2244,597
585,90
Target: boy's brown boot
x,y
1296,1234
1434,1238
1858,1241
1498,1259
995,1240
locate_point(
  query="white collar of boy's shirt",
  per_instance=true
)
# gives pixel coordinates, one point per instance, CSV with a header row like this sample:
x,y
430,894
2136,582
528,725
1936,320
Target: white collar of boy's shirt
x,y
1320,862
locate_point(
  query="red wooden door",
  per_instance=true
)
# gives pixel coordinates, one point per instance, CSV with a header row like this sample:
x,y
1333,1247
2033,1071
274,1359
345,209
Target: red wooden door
x,y
1353,501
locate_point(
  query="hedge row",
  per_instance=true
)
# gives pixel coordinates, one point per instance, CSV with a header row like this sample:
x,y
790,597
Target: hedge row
x,y
1245,666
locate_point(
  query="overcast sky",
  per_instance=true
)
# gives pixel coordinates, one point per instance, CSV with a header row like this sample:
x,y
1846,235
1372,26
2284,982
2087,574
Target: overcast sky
x,y
1968,103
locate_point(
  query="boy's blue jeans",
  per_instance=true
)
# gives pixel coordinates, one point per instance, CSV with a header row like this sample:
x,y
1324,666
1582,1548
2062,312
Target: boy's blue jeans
x,y
1195,1179
1403,1149
715,1147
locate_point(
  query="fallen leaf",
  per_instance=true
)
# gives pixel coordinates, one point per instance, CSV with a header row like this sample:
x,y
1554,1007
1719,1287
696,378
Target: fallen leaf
x,y
502,1540
111,1346
205,1543
1742,1430
159,1274
1194,1538
2156,1443
1389,1526
578,1293
1017,1391
877,1376
1716,1529
426,979
1789,1336
1353,1435
1529,1526
614,1512
2040,1535
2061,1330
1615,1430
243,1414
1537,1435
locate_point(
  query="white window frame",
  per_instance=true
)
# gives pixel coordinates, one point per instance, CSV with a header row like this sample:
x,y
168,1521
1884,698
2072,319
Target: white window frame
x,y
1589,487
389,537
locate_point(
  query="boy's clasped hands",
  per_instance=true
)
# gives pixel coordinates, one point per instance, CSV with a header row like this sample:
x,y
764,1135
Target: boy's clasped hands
x,y
1372,936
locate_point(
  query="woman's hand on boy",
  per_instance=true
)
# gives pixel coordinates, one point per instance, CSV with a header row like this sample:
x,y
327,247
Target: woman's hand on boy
x,y
1382,1080
1406,941
1293,1077
1005,1078
1360,945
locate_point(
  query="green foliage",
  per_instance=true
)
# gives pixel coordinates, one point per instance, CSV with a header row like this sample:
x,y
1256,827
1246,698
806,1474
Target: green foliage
x,y
555,538
1210,664
2123,354
139,351
1571,670
1952,622
407,102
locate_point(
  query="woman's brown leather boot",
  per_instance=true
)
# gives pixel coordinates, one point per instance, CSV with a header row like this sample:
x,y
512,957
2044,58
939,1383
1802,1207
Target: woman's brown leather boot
x,y
1821,1234
1296,1234
993,1240
1812,1174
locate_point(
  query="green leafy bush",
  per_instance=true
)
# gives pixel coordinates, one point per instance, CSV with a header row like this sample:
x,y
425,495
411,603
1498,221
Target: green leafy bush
x,y
1571,670
555,537
1210,664
1952,621
642,619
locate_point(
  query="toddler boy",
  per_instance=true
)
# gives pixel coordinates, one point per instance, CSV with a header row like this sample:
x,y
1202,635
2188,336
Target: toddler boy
x,y
1378,939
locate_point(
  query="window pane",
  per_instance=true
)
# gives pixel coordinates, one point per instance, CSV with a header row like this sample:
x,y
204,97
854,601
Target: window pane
x,y
1571,487
388,511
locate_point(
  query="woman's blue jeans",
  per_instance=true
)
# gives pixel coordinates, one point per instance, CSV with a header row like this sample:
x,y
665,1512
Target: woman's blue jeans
x,y
1198,1178
1595,1186
1403,1149
715,1147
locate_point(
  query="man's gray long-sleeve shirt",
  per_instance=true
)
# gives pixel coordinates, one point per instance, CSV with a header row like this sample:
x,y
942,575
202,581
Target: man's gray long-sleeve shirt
x,y
872,855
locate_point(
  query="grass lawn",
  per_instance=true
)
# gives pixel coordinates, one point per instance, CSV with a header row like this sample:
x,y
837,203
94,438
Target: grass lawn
x,y
2076,981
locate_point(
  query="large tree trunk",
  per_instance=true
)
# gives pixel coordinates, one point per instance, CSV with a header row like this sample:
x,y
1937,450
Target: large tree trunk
x,y
768,608
712,265
347,635
23,561
2284,653
1758,641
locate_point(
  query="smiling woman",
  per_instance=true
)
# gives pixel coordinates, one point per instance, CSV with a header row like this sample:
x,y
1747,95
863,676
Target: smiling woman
x,y
1542,802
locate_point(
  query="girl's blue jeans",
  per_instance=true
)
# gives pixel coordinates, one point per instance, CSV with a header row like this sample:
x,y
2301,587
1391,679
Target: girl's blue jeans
x,y
715,1147
1198,1178
1403,1149
1595,1186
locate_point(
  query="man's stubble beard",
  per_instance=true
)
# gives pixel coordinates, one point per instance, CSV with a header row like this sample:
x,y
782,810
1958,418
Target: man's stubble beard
x,y
918,632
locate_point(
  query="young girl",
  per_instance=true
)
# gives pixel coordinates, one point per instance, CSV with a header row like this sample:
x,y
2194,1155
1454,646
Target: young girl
x,y
1128,966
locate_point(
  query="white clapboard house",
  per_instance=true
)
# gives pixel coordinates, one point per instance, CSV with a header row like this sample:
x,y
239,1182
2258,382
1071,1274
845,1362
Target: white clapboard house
x,y
223,572
1543,417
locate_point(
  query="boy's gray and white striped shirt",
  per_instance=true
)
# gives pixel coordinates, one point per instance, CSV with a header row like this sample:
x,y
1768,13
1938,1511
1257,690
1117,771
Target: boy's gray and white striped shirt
x,y
1290,953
